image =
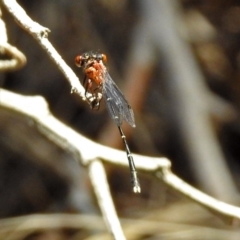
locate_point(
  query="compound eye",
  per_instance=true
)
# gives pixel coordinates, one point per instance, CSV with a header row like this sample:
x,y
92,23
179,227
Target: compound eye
x,y
79,61
104,58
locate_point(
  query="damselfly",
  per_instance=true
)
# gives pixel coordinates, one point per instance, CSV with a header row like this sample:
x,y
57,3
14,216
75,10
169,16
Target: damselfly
x,y
98,84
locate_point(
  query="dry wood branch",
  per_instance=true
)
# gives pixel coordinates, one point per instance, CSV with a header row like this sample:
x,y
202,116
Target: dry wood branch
x,y
190,99
40,33
87,151
36,109
100,185
229,213
17,58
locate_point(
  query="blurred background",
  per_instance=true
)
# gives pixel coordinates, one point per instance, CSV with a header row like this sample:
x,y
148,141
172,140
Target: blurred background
x,y
177,63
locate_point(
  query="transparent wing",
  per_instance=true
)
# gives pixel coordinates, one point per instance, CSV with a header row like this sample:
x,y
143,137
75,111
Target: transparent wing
x,y
117,105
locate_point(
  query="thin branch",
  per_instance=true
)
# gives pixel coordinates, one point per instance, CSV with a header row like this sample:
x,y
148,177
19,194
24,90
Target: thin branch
x,y
36,109
190,99
228,212
17,61
101,188
40,33
17,58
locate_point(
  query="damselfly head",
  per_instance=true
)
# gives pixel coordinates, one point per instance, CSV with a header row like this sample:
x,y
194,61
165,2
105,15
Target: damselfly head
x,y
89,57
81,60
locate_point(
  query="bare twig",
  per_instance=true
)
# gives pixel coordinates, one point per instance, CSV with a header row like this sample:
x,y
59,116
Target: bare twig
x,y
87,151
17,58
100,185
36,109
190,99
229,213
40,33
